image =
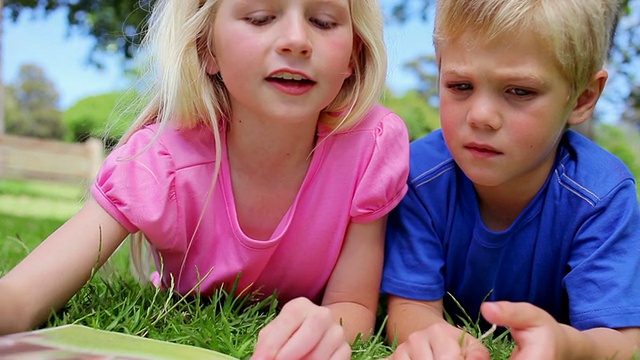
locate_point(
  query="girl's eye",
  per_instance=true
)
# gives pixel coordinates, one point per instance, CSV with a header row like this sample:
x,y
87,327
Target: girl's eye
x,y
259,20
323,24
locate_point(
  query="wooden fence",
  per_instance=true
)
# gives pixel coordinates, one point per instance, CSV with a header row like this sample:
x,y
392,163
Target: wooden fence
x,y
38,159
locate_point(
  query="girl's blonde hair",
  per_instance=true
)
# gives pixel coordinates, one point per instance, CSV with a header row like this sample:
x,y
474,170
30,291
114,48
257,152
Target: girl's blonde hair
x,y
577,32
184,95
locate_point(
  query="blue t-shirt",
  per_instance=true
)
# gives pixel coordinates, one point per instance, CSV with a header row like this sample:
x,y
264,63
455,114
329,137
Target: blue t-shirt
x,y
573,251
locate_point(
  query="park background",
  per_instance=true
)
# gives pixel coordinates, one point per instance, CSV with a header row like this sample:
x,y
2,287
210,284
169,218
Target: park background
x,y
65,82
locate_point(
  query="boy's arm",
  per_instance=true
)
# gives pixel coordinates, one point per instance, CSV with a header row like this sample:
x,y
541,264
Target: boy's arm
x,y
53,272
422,333
538,335
407,316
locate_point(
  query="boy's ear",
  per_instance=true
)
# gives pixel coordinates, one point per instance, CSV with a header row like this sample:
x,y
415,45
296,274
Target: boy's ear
x,y
586,101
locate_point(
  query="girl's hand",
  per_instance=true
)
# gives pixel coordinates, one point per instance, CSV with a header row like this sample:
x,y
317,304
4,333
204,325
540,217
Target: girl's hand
x,y
302,330
440,341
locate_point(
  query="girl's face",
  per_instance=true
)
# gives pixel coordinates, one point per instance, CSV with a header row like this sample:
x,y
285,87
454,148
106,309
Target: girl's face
x,y
504,106
284,60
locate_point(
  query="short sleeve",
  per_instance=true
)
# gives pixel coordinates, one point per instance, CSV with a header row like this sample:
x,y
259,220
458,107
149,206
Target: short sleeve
x,y
135,185
414,256
384,181
603,285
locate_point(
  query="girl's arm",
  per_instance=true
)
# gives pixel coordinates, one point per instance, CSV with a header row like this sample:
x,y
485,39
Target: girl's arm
x,y
350,303
53,272
353,289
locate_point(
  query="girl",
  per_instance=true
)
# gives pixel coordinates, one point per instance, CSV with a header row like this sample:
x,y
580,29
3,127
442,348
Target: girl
x,y
262,152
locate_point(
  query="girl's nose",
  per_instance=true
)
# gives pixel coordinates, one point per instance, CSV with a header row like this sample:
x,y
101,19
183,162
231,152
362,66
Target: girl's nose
x,y
295,37
483,113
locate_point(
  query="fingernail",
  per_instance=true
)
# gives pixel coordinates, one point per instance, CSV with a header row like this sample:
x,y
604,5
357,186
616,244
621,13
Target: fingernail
x,y
492,306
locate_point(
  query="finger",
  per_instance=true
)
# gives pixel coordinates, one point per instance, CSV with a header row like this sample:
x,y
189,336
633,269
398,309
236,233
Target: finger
x,y
333,342
531,328
473,349
449,342
514,315
406,352
342,353
275,334
317,338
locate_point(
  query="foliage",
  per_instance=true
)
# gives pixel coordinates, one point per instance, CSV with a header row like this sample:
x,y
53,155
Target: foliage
x,y
11,106
119,26
420,118
32,105
627,45
500,346
116,25
105,116
623,143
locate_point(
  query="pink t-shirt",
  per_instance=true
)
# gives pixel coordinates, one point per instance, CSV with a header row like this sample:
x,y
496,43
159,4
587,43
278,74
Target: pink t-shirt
x,y
358,175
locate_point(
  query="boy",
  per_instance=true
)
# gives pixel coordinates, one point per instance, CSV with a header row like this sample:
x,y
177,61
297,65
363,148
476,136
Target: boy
x,y
507,205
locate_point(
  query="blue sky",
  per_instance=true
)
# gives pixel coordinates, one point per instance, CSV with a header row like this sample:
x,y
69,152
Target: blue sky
x,y
44,42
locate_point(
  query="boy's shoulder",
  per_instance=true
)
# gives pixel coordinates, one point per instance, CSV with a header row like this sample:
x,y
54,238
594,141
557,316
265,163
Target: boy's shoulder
x,y
433,144
430,158
586,168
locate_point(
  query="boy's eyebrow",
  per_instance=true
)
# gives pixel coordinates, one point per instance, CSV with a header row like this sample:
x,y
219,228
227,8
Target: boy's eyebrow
x,y
504,76
520,76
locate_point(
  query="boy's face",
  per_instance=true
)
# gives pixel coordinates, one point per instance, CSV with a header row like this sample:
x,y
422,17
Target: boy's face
x,y
503,107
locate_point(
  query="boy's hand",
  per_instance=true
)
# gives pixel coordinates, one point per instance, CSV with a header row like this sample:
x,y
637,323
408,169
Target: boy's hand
x,y
440,341
536,333
302,330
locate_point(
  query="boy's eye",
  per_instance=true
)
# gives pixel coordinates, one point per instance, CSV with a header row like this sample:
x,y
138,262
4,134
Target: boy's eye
x,y
460,86
520,92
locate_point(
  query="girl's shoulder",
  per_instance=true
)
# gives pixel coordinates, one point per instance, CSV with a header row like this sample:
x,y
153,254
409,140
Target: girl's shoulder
x,y
379,125
185,147
379,118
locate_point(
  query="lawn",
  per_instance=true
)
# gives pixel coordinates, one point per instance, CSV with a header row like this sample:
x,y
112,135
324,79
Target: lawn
x,y
114,301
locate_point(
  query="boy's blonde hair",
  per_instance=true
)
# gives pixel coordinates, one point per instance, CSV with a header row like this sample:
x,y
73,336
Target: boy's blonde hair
x,y
577,33
183,94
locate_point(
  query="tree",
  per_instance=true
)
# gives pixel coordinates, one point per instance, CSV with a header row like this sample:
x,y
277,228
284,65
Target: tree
x,y
37,100
116,25
105,116
1,80
420,118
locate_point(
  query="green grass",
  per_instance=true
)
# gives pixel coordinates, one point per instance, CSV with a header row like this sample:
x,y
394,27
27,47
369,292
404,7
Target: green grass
x,y
29,212
112,300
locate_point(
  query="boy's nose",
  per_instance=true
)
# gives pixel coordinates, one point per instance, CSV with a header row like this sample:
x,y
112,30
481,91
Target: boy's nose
x,y
483,113
295,39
